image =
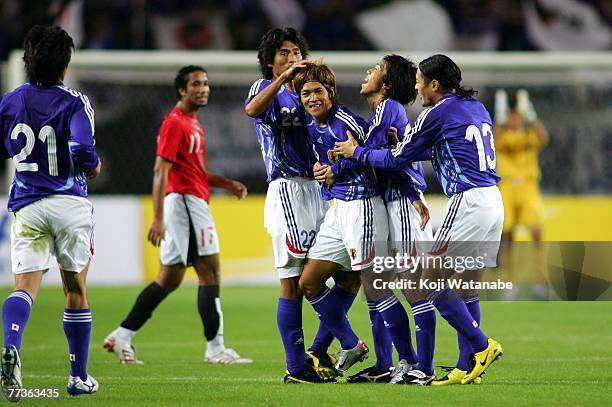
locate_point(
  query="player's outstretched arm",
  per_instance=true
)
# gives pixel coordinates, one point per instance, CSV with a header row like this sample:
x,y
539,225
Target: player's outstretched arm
x,y
411,148
237,188
260,102
160,181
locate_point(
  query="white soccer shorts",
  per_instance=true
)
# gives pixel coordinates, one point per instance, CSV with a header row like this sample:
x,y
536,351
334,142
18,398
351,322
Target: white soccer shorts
x,y
293,213
351,233
472,226
190,230
58,226
405,234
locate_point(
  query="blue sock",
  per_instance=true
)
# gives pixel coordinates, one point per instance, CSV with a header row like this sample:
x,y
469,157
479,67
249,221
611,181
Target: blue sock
x,y
328,306
383,346
324,337
424,314
15,315
465,350
398,325
289,320
453,310
77,327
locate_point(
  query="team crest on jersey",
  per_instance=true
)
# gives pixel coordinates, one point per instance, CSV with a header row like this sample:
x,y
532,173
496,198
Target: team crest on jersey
x,y
332,156
353,254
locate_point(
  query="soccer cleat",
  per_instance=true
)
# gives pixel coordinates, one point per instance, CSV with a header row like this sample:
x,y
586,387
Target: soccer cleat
x,y
322,364
78,387
226,357
417,377
402,369
482,360
348,357
124,350
10,379
305,377
453,376
370,375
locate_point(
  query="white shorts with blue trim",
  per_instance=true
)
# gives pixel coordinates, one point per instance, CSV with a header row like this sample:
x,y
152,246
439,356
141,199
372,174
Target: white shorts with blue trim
x,y
293,213
405,234
352,233
472,225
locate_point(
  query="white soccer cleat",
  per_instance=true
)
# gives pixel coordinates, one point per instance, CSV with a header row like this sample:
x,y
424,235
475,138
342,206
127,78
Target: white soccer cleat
x,y
77,387
419,378
123,349
348,357
11,374
403,367
226,357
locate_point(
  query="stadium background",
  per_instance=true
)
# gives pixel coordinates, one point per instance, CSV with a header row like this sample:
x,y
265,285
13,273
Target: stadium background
x,y
505,44
127,53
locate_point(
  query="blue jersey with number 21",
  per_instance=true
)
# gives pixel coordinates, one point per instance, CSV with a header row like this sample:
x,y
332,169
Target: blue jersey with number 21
x,y
49,133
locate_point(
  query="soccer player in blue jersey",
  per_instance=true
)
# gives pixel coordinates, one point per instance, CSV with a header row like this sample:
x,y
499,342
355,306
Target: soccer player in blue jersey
x,y
356,221
388,86
293,209
458,129
48,130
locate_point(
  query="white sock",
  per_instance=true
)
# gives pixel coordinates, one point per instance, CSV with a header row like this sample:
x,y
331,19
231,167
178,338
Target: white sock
x,y
124,334
217,344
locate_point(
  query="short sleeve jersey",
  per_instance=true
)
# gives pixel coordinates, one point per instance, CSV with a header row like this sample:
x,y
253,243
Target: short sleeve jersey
x,y
403,182
49,133
282,134
182,141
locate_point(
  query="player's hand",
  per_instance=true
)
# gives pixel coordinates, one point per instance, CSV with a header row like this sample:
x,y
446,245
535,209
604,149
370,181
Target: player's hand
x,y
288,75
91,174
423,211
238,189
346,148
392,136
318,170
156,232
325,175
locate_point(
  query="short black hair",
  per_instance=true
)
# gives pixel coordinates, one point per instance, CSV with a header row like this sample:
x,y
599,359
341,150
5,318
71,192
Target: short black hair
x,y
445,70
47,53
400,78
272,41
182,77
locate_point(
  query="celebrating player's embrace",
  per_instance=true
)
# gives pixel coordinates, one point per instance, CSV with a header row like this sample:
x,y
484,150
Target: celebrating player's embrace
x,y
296,113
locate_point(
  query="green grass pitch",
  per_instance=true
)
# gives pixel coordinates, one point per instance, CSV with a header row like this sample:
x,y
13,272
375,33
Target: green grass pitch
x,y
555,353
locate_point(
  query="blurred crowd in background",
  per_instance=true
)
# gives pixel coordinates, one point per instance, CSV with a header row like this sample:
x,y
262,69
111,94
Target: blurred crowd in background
x,y
411,25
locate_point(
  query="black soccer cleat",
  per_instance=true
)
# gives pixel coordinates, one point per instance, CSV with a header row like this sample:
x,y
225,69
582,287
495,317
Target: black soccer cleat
x,y
370,375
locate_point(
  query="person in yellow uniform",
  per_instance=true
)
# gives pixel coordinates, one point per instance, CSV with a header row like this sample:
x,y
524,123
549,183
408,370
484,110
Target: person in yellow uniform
x,y
519,138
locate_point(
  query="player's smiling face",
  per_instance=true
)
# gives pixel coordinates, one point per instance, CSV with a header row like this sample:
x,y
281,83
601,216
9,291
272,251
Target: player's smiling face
x,y
287,55
373,81
425,88
198,90
317,101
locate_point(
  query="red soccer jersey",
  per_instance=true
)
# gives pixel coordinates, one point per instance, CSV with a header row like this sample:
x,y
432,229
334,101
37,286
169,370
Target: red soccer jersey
x,y
182,141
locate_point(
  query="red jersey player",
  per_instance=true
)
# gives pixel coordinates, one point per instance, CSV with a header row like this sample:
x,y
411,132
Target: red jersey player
x,y
183,225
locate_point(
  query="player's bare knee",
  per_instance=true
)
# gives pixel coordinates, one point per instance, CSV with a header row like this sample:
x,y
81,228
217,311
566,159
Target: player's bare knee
x,y
348,281
290,288
307,286
208,270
